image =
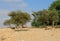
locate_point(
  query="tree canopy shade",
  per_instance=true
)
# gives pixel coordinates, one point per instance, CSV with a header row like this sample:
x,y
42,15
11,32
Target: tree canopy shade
x,y
19,18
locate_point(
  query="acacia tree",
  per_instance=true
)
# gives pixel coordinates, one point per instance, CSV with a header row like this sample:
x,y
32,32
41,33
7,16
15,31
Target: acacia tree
x,y
40,17
8,22
56,5
45,17
19,18
53,17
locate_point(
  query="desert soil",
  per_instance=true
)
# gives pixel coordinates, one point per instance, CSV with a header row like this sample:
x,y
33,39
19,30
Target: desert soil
x,y
33,34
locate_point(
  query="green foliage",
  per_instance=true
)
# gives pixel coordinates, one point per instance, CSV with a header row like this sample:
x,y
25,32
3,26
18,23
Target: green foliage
x,y
45,17
40,18
37,24
8,22
53,17
18,18
55,5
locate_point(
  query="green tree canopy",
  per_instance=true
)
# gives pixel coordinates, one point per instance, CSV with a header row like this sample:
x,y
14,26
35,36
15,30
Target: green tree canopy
x,y
19,18
8,22
40,17
45,17
55,5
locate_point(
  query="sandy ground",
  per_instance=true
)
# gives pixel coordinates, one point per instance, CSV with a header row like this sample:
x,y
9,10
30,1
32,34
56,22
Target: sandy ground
x,y
33,34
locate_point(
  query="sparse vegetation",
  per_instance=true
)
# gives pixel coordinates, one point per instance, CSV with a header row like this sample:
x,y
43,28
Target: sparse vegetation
x,y
45,24
18,18
49,17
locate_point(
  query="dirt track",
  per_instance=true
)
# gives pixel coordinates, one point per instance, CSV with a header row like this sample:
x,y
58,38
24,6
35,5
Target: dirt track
x,y
33,34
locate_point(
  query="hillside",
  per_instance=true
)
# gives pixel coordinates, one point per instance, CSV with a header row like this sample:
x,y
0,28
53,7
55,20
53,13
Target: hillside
x,y
33,34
